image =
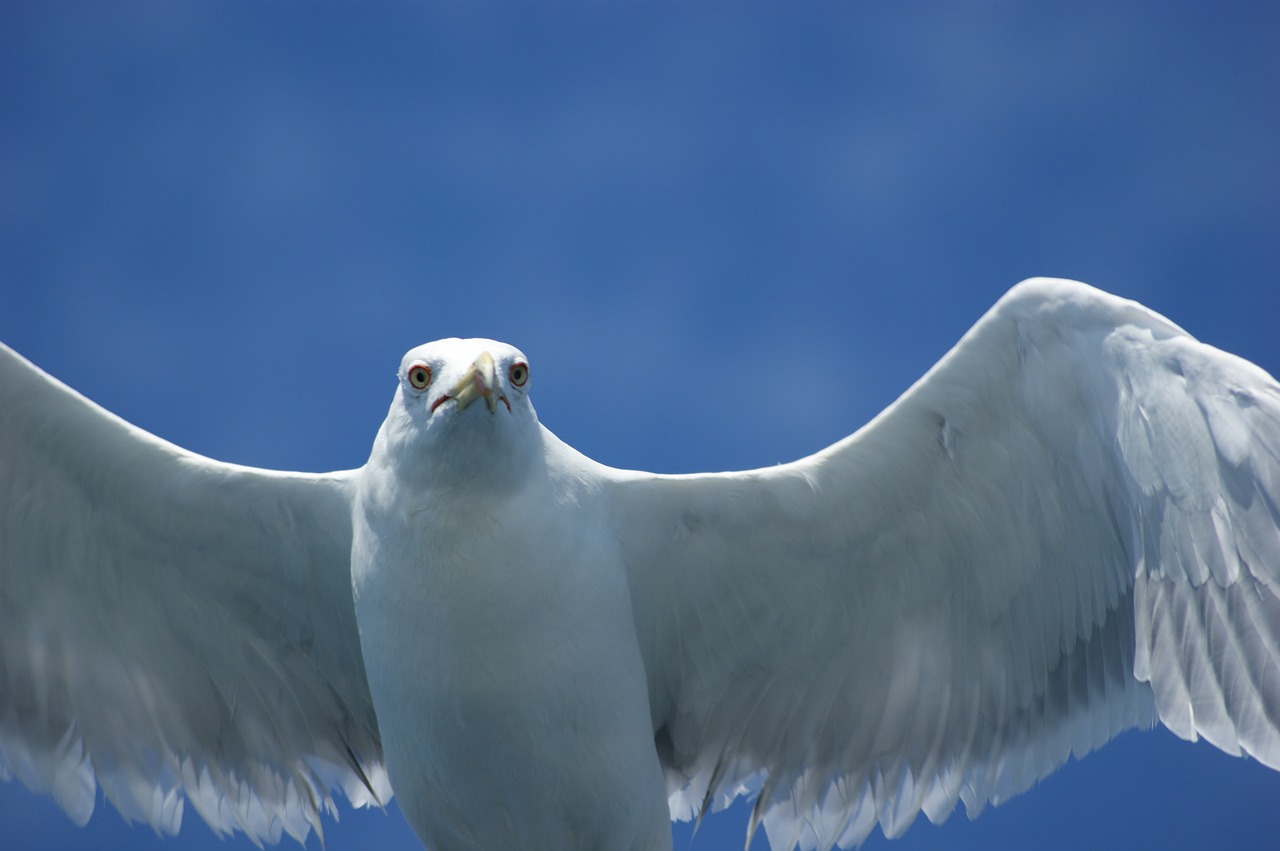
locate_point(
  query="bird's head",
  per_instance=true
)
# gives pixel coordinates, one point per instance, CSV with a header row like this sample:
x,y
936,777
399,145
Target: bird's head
x,y
461,410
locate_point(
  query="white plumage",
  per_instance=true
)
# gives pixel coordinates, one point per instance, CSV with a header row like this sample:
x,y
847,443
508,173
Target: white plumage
x,y
1069,527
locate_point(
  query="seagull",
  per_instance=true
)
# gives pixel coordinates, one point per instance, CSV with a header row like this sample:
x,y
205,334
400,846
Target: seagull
x,y
1069,527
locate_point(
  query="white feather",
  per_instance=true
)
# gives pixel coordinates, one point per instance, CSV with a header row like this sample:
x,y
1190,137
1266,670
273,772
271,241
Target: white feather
x,y
1067,528
171,626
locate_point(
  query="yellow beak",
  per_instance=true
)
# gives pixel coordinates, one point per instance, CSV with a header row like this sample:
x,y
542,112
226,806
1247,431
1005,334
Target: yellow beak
x,y
478,381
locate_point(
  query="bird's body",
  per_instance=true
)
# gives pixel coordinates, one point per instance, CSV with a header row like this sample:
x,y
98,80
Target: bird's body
x,y
529,668
1069,527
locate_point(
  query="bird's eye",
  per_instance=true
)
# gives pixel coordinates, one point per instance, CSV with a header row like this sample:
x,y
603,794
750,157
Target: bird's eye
x,y
419,376
519,373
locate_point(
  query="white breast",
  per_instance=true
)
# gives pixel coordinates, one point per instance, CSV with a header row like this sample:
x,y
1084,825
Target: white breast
x,y
505,671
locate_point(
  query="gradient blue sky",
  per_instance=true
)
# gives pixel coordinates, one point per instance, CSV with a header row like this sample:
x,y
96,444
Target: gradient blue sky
x,y
725,236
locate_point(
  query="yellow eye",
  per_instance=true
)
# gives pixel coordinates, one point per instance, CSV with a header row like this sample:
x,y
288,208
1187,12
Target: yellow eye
x,y
419,376
519,373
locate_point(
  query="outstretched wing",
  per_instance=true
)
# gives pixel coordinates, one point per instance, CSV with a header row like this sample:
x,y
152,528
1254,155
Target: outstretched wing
x,y
172,627
1069,526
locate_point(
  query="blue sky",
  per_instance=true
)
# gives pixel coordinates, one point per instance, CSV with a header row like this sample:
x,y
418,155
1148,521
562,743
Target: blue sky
x,y
725,236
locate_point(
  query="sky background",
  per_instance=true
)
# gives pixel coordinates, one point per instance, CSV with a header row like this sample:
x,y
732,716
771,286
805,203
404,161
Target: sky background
x,y
725,236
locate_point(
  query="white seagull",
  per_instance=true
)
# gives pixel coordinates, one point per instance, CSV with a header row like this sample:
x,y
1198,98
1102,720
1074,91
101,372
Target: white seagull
x,y
1069,527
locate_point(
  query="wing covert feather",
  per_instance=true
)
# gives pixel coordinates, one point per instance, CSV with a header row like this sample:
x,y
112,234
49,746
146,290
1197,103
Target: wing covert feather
x,y
1067,528
172,627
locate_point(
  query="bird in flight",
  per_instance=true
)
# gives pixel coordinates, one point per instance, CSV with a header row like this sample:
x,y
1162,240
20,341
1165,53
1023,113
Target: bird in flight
x,y
1069,527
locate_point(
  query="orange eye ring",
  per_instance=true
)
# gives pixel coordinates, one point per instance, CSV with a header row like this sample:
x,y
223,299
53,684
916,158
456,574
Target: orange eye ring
x,y
519,373
419,376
